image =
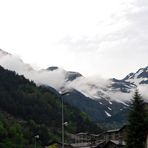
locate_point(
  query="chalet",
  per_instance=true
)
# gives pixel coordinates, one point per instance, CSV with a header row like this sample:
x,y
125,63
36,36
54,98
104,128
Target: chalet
x,y
109,139
82,138
112,138
114,144
117,134
95,138
57,145
98,140
101,144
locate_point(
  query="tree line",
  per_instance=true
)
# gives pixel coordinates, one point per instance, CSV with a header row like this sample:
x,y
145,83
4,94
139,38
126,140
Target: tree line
x,y
38,109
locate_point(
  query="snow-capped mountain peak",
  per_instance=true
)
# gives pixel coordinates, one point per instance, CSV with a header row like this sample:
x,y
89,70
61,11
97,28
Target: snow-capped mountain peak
x,y
139,77
129,76
52,68
69,75
3,53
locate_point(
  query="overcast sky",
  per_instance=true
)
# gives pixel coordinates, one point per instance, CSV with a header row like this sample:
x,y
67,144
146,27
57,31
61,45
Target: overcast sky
x,y
94,37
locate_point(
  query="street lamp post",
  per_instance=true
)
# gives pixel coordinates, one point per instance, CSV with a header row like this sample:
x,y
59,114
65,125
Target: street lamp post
x,y
36,137
63,124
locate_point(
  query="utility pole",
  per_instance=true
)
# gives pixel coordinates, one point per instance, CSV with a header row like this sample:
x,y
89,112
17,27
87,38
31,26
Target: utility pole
x,y
63,123
36,137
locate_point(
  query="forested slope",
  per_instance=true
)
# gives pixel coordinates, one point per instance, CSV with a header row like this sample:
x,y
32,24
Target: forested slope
x,y
28,110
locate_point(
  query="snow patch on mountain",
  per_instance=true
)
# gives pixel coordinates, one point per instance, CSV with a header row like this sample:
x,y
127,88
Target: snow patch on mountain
x,y
110,102
92,87
109,108
109,115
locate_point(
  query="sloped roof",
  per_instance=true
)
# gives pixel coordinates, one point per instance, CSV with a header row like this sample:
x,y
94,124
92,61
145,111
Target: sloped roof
x,y
117,142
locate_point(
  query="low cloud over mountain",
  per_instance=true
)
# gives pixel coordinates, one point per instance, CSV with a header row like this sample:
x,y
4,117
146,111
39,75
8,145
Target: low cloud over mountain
x,y
92,87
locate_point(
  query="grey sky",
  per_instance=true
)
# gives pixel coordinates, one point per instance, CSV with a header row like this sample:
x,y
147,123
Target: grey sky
x,y
94,37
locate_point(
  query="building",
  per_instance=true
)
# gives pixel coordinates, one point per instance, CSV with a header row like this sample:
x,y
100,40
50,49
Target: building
x,y
57,145
101,144
82,138
114,144
116,134
112,138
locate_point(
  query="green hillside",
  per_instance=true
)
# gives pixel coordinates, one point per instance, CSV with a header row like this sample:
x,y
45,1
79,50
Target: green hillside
x,y
27,110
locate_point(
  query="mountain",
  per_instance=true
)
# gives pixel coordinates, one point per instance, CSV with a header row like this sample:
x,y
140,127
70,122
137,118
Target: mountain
x,y
97,110
110,102
52,68
131,81
69,75
98,107
3,53
139,77
101,99
35,110
122,85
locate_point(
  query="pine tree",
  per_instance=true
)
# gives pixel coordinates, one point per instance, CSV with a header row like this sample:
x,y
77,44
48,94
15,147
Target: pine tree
x,y
137,124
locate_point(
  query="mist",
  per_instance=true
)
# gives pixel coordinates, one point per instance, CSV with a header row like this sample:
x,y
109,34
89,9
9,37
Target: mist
x,y
54,78
94,87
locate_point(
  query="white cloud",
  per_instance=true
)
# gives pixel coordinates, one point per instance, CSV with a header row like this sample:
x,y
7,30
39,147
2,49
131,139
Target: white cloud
x,y
90,86
84,35
55,79
94,87
14,63
143,89
120,96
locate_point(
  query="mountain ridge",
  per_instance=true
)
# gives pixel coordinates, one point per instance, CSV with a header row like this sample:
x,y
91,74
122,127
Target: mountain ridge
x,y
106,95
